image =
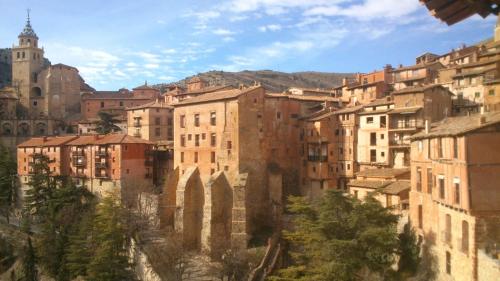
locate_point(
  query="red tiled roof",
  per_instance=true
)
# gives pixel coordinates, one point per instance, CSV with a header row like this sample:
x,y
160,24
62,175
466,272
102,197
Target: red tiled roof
x,y
216,96
418,89
107,139
454,126
383,173
153,104
47,141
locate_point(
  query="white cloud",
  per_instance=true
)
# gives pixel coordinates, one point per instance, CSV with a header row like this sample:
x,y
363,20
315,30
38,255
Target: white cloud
x,y
368,10
228,39
270,27
223,32
161,22
152,66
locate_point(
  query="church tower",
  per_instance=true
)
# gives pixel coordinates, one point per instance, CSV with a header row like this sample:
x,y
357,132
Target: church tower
x,y
27,62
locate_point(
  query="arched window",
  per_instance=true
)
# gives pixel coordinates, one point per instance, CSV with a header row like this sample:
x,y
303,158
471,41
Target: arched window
x,y
24,55
24,129
36,92
465,237
7,129
41,129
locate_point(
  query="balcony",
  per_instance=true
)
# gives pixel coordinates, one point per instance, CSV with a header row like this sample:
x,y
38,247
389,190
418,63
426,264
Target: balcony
x,y
101,153
101,175
406,125
399,143
101,165
79,161
78,153
317,158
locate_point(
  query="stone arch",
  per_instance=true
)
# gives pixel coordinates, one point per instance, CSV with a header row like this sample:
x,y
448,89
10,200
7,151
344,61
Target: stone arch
x,y
23,129
36,92
217,215
41,129
7,129
189,212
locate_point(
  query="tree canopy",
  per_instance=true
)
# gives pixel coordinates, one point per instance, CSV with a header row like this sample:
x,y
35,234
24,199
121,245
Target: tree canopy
x,y
340,238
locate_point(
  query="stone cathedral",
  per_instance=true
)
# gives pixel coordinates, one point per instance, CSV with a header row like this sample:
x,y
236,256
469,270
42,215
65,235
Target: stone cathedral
x,y
42,98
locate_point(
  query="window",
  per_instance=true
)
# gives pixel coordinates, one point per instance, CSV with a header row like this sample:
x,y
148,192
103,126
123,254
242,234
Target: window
x,y
18,55
102,104
447,231
182,121
373,138
440,147
429,180
169,121
355,194
213,139
189,137
383,122
157,132
382,153
465,236
212,157
448,262
441,187
183,140
213,118
457,192
278,115
429,149
419,179
477,94
195,157
420,217
196,140
373,155
491,92
229,145
382,136
369,120
455,148
197,120
121,103
203,136
182,157
157,121
348,166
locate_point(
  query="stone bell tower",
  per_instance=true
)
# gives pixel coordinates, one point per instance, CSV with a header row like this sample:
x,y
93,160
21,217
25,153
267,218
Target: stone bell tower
x,y
27,62
497,30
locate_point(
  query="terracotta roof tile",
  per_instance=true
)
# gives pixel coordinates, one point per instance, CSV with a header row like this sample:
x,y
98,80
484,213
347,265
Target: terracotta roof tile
x,y
368,183
454,126
396,187
153,104
383,173
47,141
216,96
418,89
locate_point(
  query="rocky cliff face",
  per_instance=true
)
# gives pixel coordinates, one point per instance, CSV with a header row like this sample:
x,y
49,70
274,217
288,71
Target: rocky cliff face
x,y
273,81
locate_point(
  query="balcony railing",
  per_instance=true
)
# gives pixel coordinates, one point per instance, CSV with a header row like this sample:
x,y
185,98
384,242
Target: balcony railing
x,y
101,175
101,153
79,161
317,158
101,165
407,124
399,143
78,153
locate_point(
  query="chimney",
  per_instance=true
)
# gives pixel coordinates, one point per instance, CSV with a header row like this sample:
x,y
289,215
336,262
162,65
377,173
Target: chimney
x,y
44,139
344,81
426,126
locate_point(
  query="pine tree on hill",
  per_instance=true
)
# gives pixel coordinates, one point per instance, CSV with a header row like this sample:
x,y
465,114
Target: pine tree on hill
x,y
110,259
8,186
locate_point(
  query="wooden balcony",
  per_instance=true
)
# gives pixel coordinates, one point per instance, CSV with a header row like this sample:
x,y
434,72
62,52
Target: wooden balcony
x,y
101,165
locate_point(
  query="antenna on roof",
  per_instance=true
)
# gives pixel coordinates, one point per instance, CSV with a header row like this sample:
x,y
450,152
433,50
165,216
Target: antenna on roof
x,y
28,12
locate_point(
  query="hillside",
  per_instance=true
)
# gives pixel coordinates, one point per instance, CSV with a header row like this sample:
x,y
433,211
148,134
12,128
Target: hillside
x,y
273,81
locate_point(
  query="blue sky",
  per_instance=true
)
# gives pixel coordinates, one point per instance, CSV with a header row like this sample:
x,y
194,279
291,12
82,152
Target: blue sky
x,y
122,43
